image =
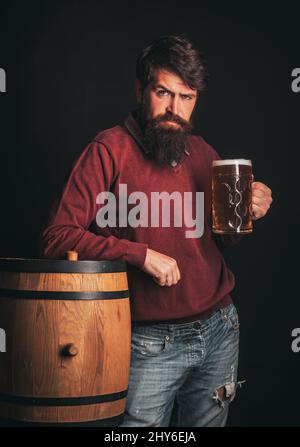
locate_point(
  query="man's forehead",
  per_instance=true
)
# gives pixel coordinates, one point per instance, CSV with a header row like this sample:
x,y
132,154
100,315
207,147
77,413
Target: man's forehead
x,y
171,81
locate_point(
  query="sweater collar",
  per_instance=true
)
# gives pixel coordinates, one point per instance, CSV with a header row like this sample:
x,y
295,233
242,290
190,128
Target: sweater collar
x,y
134,129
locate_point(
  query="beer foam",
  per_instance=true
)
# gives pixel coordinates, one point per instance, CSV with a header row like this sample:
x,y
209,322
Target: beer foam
x,y
236,161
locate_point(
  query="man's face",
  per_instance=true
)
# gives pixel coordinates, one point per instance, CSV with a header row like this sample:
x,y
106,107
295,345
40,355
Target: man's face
x,y
166,107
169,93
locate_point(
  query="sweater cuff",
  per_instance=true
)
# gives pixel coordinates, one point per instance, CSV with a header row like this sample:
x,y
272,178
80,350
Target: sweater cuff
x,y
136,253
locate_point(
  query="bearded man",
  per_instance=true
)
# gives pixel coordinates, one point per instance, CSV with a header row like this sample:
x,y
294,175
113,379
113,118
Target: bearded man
x,y
185,328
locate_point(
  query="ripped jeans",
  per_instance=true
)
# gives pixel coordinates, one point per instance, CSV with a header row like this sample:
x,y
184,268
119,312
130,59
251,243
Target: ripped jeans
x,y
183,375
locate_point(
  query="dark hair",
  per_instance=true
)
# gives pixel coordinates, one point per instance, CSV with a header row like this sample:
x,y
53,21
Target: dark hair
x,y
175,54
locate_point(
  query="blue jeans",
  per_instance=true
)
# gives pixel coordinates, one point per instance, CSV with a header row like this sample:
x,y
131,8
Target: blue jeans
x,y
183,375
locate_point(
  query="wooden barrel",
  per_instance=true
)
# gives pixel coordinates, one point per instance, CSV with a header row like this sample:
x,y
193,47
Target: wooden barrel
x,y
68,332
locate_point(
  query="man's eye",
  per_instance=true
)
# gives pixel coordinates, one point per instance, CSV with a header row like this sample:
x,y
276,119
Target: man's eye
x,y
162,92
187,97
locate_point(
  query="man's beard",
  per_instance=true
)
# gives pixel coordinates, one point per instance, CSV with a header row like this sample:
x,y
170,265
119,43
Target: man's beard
x,y
166,144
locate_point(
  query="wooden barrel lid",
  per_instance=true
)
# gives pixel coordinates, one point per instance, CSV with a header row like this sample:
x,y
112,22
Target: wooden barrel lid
x,y
60,266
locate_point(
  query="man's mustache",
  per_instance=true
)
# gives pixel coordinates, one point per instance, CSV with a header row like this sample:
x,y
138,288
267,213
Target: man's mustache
x,y
173,118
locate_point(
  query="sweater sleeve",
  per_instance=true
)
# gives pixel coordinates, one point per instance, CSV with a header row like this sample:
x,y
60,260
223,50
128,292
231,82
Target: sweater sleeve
x,y
73,213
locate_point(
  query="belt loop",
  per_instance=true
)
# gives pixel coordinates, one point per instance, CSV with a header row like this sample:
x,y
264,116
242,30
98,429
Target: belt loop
x,y
171,330
224,313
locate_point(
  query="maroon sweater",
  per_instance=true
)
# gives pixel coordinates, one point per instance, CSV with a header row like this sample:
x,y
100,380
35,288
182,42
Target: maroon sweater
x,y
117,156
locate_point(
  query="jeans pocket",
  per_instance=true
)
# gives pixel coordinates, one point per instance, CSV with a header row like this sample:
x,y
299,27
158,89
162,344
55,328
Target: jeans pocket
x,y
148,345
231,317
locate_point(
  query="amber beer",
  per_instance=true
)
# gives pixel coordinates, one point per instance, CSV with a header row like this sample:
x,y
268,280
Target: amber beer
x,y
232,196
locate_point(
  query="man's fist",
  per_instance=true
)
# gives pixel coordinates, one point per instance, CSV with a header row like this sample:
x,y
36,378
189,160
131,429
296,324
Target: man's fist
x,y
163,268
261,199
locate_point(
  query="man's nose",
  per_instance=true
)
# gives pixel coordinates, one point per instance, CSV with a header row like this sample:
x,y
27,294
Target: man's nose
x,y
173,106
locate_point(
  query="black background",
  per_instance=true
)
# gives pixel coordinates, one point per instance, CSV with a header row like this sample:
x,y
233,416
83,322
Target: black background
x,y
70,71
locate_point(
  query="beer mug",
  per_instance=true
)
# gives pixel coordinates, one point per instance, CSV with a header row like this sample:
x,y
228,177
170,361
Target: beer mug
x,y
232,196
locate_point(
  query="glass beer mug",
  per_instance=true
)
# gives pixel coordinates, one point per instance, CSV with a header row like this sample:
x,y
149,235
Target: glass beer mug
x,y
232,196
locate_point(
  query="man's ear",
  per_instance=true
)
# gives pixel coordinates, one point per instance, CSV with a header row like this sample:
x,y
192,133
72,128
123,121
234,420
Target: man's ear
x,y
138,90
